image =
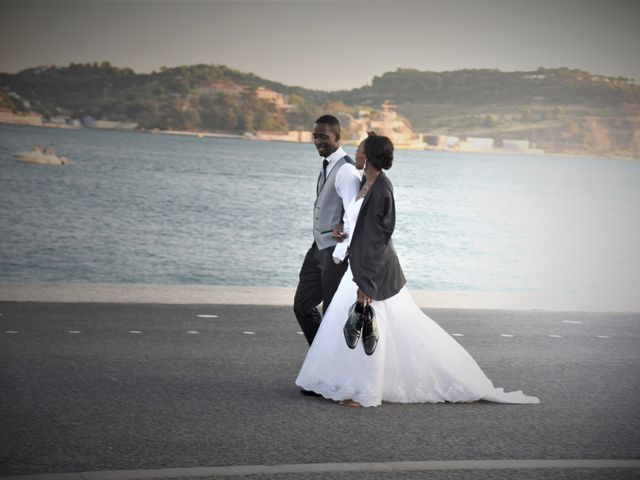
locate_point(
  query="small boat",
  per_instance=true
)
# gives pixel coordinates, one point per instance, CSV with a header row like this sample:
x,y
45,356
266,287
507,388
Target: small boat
x,y
42,157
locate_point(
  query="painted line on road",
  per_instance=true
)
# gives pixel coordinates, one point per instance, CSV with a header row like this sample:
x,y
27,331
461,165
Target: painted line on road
x,y
192,332
554,336
508,335
249,333
603,336
11,331
204,315
74,332
305,468
134,331
571,321
457,334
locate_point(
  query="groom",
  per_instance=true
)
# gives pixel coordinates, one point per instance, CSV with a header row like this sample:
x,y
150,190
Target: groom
x,y
338,184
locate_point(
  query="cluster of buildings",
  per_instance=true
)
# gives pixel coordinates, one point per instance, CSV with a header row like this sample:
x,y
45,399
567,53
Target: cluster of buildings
x,y
476,144
60,121
384,122
387,122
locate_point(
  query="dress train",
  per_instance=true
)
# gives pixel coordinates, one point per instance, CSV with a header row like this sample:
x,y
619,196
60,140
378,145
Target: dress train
x,y
416,361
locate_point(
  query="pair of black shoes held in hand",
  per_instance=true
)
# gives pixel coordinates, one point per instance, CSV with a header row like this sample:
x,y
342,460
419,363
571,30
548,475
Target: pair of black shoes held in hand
x,y
361,321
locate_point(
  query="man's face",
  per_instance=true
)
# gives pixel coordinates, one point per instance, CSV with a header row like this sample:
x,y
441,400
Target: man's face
x,y
324,139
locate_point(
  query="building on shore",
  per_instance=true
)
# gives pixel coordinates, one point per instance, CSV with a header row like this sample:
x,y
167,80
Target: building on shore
x,y
388,123
518,146
476,144
91,122
29,118
439,142
290,136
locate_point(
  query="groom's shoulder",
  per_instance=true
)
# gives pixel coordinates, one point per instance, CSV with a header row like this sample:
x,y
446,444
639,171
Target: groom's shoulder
x,y
349,160
348,168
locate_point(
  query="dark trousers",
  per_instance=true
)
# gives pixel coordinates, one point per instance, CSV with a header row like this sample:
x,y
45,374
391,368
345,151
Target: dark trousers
x,y
319,280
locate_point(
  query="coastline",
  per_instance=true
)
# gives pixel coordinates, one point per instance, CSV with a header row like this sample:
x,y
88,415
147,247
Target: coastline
x,y
203,134
282,296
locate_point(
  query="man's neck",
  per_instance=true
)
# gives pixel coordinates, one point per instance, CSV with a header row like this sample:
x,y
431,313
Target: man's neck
x,y
339,147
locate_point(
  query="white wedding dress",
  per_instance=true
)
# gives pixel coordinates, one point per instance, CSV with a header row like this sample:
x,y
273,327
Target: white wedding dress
x,y
415,361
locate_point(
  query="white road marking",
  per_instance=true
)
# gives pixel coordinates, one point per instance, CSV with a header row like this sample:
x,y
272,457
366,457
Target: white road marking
x,y
508,335
603,336
300,333
192,331
571,321
10,331
75,331
555,336
457,334
204,315
134,331
249,333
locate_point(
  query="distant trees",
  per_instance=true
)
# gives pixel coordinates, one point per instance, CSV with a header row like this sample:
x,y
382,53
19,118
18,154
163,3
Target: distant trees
x,y
545,103
491,86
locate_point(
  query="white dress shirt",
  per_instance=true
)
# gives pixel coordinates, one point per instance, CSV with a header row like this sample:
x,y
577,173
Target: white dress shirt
x,y
347,178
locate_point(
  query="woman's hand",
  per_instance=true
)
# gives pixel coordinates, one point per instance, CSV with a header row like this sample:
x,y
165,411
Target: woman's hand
x,y
363,298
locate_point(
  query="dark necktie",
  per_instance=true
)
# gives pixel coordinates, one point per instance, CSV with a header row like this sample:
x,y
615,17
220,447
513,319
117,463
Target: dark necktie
x,y
325,162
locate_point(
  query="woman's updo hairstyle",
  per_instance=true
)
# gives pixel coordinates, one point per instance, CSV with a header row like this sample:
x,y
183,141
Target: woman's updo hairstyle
x,y
379,151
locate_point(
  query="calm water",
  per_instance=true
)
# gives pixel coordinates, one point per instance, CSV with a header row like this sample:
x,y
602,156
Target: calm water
x,y
143,208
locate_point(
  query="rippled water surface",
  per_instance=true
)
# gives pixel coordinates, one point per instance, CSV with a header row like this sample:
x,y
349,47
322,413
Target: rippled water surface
x,y
144,208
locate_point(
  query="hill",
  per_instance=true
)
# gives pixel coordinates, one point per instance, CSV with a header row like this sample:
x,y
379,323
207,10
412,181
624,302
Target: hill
x,y
559,110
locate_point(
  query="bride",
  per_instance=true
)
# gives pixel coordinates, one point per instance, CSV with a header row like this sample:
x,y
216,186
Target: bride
x,y
415,359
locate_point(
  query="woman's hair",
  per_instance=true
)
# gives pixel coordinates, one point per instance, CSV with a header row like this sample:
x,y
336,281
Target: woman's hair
x,y
379,151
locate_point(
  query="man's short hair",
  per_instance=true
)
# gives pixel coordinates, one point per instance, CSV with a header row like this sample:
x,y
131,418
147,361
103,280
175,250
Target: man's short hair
x,y
333,122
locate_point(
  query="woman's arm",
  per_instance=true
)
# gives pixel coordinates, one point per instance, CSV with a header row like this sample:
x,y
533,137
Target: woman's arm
x,y
386,216
363,298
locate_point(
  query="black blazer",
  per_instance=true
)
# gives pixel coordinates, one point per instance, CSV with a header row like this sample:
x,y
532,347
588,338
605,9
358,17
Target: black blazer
x,y
374,262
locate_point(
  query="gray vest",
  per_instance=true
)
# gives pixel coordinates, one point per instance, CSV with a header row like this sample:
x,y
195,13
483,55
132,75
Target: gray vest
x,y
327,210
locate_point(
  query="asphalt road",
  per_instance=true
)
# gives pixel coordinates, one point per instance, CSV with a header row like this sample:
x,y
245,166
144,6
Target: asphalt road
x,y
94,387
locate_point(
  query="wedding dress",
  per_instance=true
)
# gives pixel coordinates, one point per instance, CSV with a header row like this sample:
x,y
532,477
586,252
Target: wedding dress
x,y
416,361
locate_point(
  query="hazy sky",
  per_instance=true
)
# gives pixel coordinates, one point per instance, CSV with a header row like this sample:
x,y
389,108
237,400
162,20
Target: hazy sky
x,y
326,44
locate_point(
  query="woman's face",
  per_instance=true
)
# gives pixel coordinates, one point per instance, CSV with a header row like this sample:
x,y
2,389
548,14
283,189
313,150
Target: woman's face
x,y
360,158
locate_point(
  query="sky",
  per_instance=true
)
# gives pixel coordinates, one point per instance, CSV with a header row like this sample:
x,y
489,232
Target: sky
x,y
327,45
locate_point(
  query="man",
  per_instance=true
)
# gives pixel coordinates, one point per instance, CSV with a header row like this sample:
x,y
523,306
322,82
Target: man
x,y
338,184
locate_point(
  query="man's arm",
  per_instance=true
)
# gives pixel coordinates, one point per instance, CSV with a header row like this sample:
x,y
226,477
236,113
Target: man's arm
x,y
347,184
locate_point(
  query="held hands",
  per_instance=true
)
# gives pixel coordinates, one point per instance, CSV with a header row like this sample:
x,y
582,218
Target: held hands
x,y
363,298
337,233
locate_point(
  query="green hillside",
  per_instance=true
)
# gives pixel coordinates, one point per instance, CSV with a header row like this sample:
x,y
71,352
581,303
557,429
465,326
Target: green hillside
x,y
172,98
559,110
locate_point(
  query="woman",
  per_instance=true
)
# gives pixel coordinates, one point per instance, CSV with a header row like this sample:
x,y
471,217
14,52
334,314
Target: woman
x,y
415,359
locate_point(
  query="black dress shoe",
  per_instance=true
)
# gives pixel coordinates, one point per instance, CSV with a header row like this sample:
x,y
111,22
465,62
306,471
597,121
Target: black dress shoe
x,y
369,330
309,393
353,326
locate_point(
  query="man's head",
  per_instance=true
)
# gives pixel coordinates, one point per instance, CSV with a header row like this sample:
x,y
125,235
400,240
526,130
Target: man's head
x,y
326,135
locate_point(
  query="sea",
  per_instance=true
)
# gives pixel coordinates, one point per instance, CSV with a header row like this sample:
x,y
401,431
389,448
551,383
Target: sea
x,y
148,208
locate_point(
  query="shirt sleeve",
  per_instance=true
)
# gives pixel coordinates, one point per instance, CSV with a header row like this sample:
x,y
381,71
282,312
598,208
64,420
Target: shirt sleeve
x,y
347,184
